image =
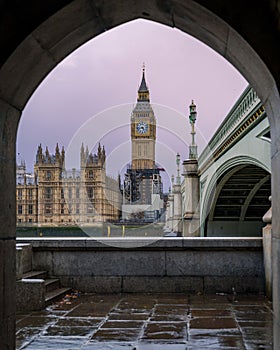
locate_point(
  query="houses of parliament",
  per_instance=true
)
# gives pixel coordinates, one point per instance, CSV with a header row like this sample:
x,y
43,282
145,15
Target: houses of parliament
x,y
55,196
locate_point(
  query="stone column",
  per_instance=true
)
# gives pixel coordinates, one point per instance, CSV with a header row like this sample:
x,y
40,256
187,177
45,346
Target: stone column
x,y
177,209
8,121
191,224
171,210
267,253
167,215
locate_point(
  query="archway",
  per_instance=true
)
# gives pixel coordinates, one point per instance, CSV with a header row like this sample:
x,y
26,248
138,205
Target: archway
x,y
36,38
239,202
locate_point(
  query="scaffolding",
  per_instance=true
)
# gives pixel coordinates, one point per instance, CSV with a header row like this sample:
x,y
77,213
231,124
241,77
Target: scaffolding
x,y
141,184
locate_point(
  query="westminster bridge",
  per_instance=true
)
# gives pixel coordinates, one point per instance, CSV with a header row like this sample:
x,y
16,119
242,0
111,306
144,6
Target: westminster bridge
x,y
234,171
226,191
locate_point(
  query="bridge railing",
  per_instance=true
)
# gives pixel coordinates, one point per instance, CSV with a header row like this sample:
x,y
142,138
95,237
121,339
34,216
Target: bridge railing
x,y
243,108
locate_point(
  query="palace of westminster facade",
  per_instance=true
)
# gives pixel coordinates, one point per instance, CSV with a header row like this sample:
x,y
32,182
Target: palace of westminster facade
x,y
54,196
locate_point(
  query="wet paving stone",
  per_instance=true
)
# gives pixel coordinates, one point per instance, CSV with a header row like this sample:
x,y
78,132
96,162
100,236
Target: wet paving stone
x,y
133,311
91,310
209,299
257,346
169,318
122,324
59,343
170,313
257,337
162,346
25,336
215,339
35,321
149,322
256,324
135,304
217,343
205,306
116,334
68,331
251,316
210,313
213,323
108,346
165,331
78,322
128,316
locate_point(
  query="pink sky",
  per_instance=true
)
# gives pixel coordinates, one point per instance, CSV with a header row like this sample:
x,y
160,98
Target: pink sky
x,y
104,75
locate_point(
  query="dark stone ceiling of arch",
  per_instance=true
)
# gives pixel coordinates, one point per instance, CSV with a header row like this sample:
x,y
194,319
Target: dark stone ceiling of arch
x,y
235,196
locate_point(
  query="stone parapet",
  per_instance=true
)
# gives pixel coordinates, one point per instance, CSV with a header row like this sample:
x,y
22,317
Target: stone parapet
x,y
145,265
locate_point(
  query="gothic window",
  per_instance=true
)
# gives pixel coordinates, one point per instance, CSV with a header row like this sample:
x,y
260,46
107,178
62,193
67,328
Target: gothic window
x,y
62,209
48,175
90,192
20,193
69,193
90,174
77,193
48,193
30,220
30,209
77,209
19,209
48,209
30,193
62,194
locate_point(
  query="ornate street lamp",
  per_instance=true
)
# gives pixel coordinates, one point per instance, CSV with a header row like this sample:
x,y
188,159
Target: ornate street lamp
x,y
192,118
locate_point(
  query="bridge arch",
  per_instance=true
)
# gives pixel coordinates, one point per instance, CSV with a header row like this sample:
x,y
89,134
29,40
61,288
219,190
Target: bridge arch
x,y
224,171
236,198
35,38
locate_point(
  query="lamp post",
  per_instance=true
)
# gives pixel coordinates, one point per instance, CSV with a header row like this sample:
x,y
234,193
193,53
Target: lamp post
x,y
178,178
191,209
192,118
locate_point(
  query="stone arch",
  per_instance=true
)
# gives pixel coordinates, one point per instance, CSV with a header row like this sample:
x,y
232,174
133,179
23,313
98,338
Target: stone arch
x,y
35,38
259,183
225,170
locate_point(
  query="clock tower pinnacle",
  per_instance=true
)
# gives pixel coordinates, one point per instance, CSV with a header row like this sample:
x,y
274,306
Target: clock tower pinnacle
x,y
143,91
143,129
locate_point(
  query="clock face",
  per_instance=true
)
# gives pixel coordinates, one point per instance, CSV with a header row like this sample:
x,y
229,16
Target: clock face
x,y
142,128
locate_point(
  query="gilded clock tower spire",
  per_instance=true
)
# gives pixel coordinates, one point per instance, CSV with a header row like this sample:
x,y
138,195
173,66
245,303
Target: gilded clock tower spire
x,y
143,129
143,91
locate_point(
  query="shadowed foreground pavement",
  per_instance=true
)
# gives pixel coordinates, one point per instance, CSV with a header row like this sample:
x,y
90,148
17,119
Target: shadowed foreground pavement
x,y
149,322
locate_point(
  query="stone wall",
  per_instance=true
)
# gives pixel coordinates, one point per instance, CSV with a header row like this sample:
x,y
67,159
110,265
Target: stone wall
x,y
189,265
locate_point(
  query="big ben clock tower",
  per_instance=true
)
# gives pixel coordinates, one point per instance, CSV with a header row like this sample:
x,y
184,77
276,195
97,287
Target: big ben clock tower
x,y
142,182
143,130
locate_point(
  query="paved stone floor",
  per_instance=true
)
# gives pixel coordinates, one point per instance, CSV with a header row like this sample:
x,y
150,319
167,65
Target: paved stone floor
x,y
149,322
